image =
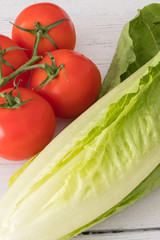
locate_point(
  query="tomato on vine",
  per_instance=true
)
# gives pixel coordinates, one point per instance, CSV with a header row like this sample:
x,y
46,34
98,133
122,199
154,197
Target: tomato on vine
x,y
75,86
27,123
54,24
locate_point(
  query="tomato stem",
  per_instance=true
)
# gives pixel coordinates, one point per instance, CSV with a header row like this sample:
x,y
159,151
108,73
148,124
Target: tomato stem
x,y
12,102
36,43
23,68
1,57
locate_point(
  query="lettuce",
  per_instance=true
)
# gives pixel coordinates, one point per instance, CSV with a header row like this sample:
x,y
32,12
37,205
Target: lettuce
x,y
138,43
14,177
98,165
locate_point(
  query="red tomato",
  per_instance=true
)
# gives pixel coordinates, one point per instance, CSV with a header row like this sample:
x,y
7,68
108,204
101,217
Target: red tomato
x,y
16,58
27,130
72,96
44,13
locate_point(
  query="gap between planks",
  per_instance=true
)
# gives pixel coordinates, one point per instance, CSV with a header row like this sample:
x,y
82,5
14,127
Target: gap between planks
x,y
126,234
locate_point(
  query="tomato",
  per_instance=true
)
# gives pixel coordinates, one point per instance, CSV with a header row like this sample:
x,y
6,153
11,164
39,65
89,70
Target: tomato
x,y
16,58
27,130
44,13
71,93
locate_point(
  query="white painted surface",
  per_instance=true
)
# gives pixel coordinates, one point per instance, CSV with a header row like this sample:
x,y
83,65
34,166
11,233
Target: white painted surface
x,y
98,26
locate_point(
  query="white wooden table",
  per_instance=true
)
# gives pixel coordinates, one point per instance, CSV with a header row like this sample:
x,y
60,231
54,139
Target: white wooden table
x,y
98,26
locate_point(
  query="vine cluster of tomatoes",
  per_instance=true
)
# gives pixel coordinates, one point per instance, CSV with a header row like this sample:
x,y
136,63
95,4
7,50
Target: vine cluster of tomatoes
x,y
62,82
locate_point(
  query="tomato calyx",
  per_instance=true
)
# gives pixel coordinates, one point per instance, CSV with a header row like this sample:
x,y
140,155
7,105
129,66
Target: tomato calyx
x,y
12,102
41,32
2,60
51,70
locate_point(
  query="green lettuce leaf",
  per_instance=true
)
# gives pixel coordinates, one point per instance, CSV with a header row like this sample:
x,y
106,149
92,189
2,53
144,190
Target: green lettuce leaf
x,y
138,43
89,171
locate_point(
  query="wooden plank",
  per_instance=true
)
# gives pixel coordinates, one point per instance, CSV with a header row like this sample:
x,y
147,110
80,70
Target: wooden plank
x,y
130,235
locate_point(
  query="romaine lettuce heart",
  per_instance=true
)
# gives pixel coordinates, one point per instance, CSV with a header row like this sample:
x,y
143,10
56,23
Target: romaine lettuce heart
x,y
83,175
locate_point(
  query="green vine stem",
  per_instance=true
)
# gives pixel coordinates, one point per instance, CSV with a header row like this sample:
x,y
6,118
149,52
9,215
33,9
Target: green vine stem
x,y
39,32
1,57
23,68
36,43
12,102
